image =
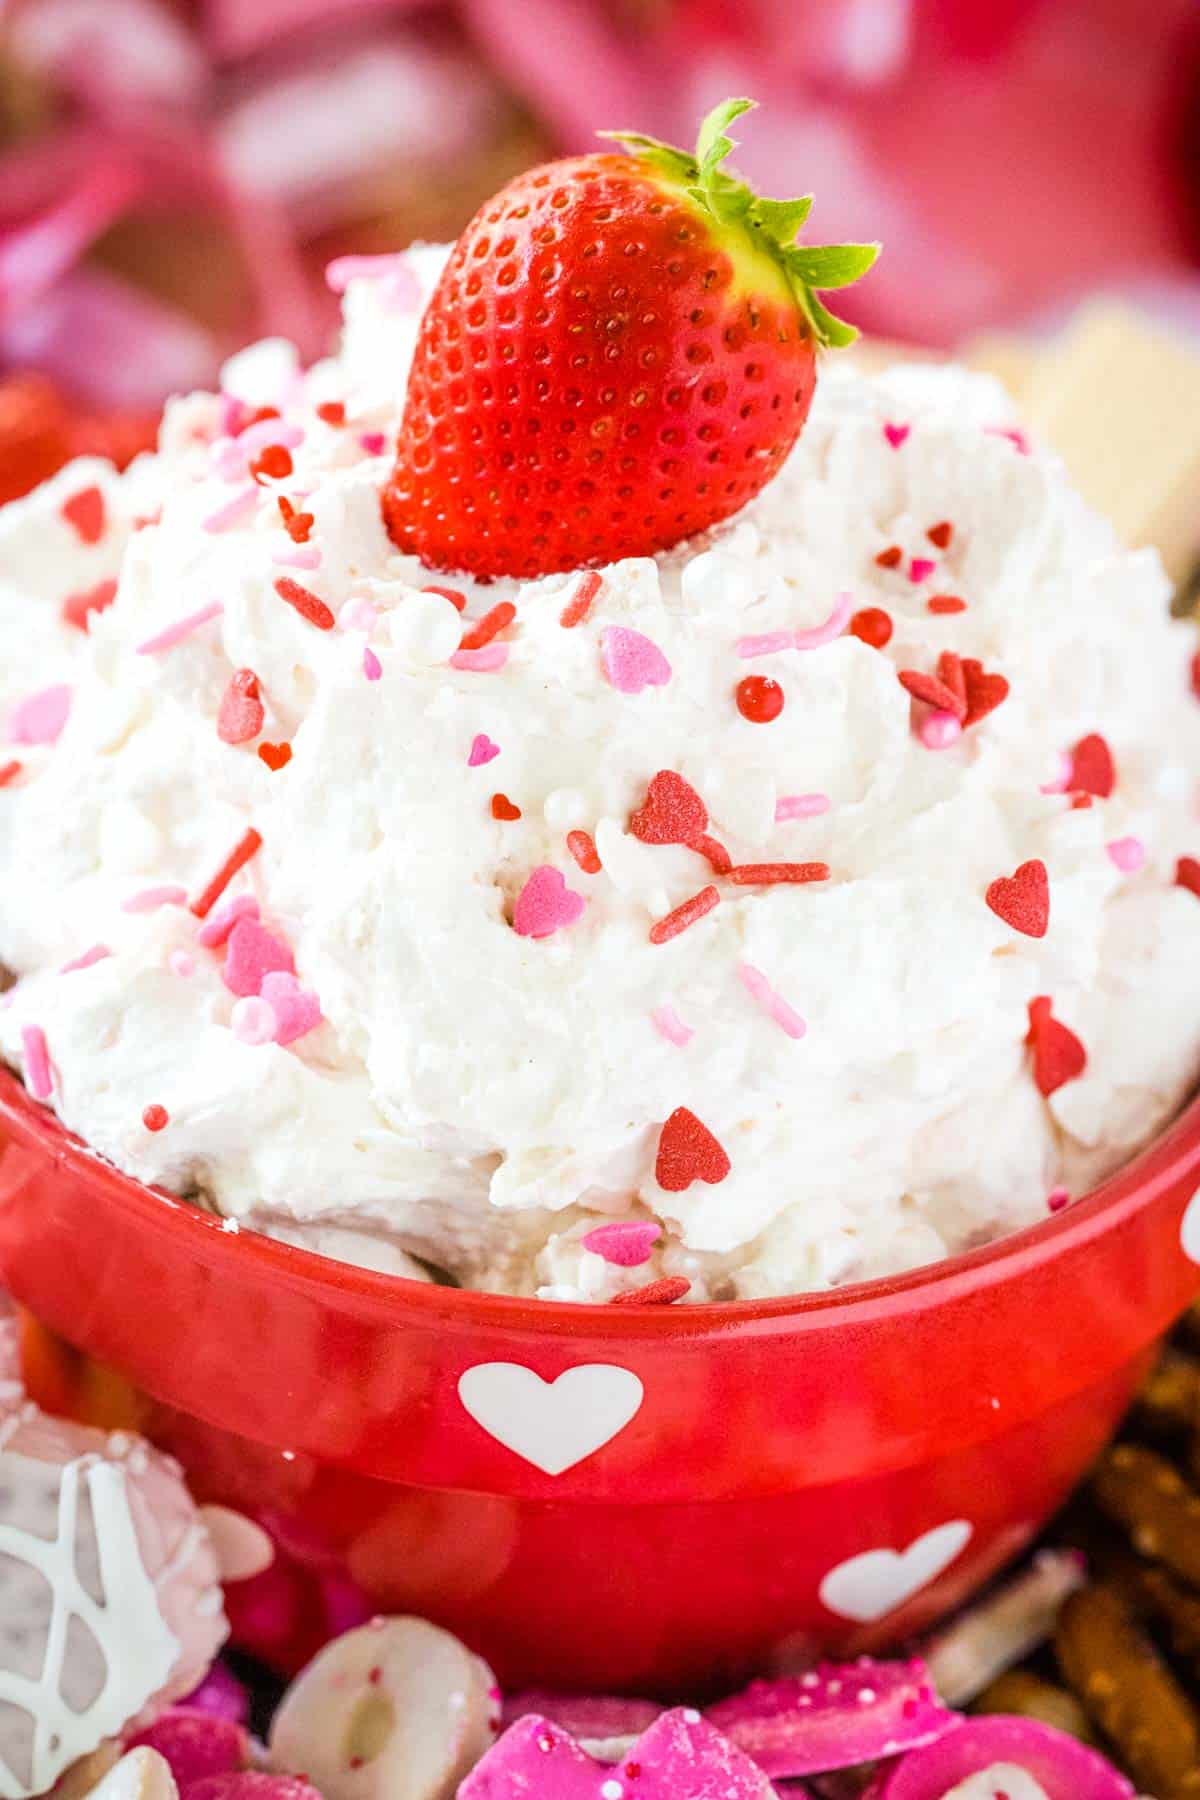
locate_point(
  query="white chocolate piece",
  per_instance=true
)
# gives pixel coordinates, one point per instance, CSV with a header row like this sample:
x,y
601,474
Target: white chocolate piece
x,y
395,1710
242,1548
141,1775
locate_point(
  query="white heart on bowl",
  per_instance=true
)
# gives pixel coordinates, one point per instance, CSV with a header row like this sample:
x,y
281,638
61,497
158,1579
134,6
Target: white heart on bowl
x,y
551,1424
869,1586
1189,1228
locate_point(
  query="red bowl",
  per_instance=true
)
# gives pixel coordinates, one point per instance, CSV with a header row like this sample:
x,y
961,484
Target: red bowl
x,y
605,1498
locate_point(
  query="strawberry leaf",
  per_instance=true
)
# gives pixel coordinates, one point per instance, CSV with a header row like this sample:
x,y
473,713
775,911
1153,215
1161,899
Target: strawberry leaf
x,y
712,146
780,219
830,265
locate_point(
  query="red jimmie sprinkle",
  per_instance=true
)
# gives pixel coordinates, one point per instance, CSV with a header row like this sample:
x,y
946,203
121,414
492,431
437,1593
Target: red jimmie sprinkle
x,y
296,524
77,609
272,463
718,856
155,1117
932,692
248,845
490,626
503,808
332,411
305,603
9,772
768,874
85,512
685,915
890,558
945,603
655,1293
941,534
580,604
454,595
759,699
583,849
873,626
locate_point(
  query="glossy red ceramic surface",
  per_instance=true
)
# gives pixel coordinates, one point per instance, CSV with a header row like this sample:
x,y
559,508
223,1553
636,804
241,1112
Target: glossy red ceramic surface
x,y
709,1489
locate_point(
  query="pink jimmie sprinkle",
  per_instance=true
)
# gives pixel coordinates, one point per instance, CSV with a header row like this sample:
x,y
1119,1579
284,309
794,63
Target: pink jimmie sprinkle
x,y
37,1062
920,569
632,662
1057,1198
492,656
1016,438
215,930
482,751
938,730
372,667
151,898
1061,780
39,718
182,628
307,556
773,1004
253,1021
831,628
358,615
669,1024
181,963
1128,854
243,502
800,806
765,645
626,1242
96,954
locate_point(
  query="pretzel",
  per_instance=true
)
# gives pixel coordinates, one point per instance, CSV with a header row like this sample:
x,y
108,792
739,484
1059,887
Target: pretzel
x,y
1147,1495
1170,1400
1019,1691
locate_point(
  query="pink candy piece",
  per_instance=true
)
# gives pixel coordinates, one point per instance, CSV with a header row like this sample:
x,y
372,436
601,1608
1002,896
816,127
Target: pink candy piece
x,y
669,1024
1064,1768
182,628
800,806
195,1742
773,1004
373,442
920,569
483,750
296,1010
485,661
830,629
253,953
679,1755
835,1717
938,730
96,954
221,921
546,904
765,644
38,1074
632,662
587,1717
300,556
220,1693
358,615
39,718
1057,1198
252,1784
151,898
628,1243
239,507
253,1020
372,667
896,434
1127,854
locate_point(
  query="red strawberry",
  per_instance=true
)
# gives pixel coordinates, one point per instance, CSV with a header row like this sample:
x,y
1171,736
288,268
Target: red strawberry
x,y
621,351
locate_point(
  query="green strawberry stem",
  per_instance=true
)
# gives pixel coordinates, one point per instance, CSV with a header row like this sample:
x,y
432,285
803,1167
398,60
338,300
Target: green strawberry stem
x,y
770,224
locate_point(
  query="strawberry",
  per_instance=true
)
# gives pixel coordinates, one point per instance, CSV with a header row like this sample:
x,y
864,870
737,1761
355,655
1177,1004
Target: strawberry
x,y
620,353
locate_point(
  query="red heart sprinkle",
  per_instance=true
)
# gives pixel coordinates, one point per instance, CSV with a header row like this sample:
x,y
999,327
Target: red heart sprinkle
x,y
890,558
1022,900
503,808
241,715
1092,768
673,812
932,692
85,511
941,534
276,756
1058,1055
950,670
78,608
655,1293
1187,874
687,1152
984,691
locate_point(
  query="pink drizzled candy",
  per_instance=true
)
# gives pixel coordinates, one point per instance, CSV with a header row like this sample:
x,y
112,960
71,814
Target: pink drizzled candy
x,y
296,1010
680,1754
765,644
220,1693
483,662
40,717
632,662
628,1243
254,953
233,511
195,1743
920,569
372,667
217,927
592,1720
835,1717
546,904
1064,1768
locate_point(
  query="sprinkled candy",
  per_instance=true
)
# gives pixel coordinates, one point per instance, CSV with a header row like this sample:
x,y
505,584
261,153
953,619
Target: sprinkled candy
x,y
297,1011
358,615
938,730
984,691
941,534
896,434
247,846
151,898
233,511
9,772
668,1024
195,1744
276,756
215,931
672,812
1187,874
97,953
800,806
663,1292
1057,1199
305,603
759,699
483,750
1022,899
891,558
1127,854
503,808
182,628
546,904
684,915
920,569
627,1243
304,556
872,626
39,718
77,609
767,643
770,874
945,604
828,630
156,1118
773,1004
1063,1768
491,625
372,667
485,661
181,963
1093,770
688,1152
583,848
1058,1055
241,712
273,463
632,662
455,596
253,953
84,511
931,690
580,605
679,1754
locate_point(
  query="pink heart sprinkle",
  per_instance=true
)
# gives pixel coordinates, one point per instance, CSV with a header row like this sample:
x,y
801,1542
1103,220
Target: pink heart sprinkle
x,y
896,434
546,904
39,718
253,954
627,1242
296,1009
1127,853
920,569
216,928
482,751
632,662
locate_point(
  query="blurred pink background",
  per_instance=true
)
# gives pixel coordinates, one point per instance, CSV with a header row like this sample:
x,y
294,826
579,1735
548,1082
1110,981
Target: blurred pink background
x,y
175,173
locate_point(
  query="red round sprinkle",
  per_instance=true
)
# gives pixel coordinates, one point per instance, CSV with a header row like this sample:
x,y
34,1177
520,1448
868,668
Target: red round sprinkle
x,y
759,699
580,605
768,874
491,624
155,1117
9,772
272,463
454,595
77,609
683,916
305,603
332,411
941,534
655,1293
503,808
873,626
1187,874
248,845
890,558
583,849
945,603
